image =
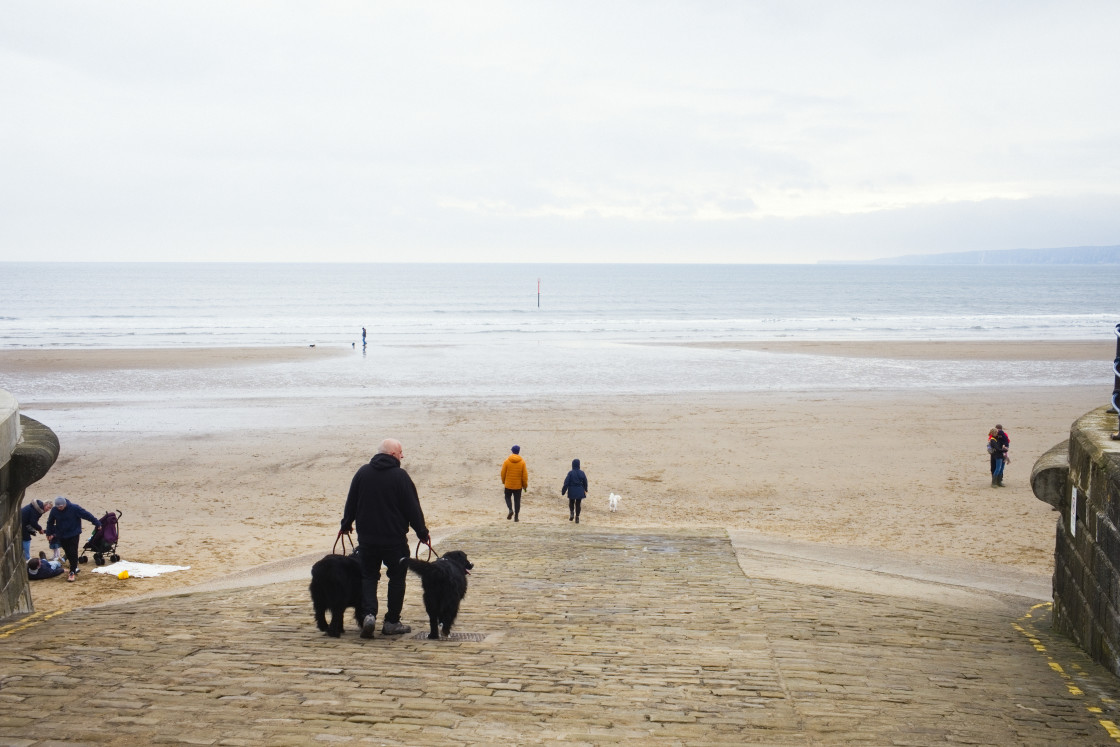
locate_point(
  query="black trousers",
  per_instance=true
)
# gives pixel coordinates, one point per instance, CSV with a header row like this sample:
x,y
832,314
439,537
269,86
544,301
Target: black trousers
x,y
70,547
393,557
515,506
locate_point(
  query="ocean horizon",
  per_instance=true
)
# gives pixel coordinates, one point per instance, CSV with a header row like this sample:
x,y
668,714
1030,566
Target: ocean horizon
x,y
469,330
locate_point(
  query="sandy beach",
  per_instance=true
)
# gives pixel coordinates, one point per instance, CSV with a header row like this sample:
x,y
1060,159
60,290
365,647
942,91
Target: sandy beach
x,y
903,471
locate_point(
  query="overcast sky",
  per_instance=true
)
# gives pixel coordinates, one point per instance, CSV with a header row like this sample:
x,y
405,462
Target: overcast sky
x,y
555,131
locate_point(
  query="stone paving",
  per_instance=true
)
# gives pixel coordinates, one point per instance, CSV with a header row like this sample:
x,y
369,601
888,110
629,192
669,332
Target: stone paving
x,y
587,636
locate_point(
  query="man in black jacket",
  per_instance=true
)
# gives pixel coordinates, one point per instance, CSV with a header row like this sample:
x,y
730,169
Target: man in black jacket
x,y
384,503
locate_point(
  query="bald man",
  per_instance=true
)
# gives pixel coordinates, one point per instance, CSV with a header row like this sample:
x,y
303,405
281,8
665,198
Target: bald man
x,y
383,502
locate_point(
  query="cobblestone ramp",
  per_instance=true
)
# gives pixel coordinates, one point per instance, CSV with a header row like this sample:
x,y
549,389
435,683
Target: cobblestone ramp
x,y
579,636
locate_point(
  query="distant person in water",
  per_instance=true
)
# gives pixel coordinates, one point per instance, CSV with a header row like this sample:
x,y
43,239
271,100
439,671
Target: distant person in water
x,y
515,478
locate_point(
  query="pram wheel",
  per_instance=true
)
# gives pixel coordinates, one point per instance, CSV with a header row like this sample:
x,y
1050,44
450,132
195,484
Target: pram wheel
x,y
83,559
98,558
114,557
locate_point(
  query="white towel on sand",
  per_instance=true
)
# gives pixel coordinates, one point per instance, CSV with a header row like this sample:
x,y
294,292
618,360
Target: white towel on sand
x,y
139,570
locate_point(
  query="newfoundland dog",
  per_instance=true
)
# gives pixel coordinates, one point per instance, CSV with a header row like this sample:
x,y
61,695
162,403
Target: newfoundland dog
x,y
445,585
336,583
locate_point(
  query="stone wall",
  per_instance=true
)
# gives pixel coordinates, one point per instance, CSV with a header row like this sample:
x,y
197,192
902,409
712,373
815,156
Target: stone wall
x,y
1083,483
28,449
15,596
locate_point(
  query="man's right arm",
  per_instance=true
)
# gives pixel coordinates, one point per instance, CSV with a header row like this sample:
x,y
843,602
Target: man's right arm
x,y
351,509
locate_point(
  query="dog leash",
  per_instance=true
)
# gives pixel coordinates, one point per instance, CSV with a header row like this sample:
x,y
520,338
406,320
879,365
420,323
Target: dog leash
x,y
343,537
431,551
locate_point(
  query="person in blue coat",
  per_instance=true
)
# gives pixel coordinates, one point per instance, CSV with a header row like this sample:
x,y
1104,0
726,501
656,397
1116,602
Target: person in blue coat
x,y
29,524
40,568
575,485
64,525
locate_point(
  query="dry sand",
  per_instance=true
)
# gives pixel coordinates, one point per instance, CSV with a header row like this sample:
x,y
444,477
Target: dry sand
x,y
904,472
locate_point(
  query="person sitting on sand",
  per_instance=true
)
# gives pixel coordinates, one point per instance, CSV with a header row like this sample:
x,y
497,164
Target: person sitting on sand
x,y
40,568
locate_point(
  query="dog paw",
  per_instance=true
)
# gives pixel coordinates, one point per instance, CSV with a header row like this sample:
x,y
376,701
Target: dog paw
x,y
433,636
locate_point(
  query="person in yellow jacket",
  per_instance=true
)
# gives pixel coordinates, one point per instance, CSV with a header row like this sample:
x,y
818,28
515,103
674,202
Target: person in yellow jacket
x,y
515,478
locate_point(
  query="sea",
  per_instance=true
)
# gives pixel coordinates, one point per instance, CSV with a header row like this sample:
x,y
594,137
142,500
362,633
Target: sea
x,y
544,330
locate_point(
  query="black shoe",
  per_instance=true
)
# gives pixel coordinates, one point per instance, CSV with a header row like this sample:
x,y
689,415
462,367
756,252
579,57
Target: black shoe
x,y
369,624
571,516
510,514
577,519
516,518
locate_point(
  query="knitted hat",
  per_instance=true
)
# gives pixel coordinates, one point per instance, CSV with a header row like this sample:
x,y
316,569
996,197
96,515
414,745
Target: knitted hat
x,y
516,449
60,501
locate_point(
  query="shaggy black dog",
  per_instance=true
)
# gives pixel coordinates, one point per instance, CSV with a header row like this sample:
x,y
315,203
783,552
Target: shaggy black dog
x,y
336,583
445,585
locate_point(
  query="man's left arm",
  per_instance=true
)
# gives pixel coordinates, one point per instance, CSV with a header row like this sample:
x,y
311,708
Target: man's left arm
x,y
91,518
414,513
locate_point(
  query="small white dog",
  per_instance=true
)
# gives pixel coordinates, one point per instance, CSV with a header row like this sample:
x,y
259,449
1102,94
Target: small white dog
x,y
614,501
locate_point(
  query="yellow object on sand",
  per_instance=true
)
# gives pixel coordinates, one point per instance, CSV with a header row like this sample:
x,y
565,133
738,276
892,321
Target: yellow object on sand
x,y
122,575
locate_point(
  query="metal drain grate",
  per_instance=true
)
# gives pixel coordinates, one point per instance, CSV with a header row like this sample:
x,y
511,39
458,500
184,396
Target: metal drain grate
x,y
476,637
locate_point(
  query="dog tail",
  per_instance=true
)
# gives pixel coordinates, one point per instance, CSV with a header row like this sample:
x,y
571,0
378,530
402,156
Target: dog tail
x,y
419,567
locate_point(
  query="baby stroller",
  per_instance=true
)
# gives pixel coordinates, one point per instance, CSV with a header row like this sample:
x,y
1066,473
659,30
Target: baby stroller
x,y
103,540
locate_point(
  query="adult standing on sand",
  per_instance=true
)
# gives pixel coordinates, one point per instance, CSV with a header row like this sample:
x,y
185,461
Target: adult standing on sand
x,y
29,524
998,445
515,478
383,502
575,485
64,526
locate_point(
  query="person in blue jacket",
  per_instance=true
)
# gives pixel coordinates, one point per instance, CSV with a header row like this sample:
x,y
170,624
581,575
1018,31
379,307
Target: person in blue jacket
x,y
65,525
40,568
575,485
29,524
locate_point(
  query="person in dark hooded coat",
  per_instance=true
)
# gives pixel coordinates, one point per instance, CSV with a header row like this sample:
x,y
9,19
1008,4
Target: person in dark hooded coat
x,y
384,504
575,486
64,525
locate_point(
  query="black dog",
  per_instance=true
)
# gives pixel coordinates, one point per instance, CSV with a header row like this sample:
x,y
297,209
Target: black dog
x,y
336,583
445,585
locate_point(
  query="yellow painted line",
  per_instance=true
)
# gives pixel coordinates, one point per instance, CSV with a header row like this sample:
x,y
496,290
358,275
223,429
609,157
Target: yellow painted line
x,y
32,620
1109,726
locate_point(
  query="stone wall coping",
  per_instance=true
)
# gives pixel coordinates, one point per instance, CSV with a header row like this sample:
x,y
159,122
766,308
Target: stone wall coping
x,y
1094,430
9,426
